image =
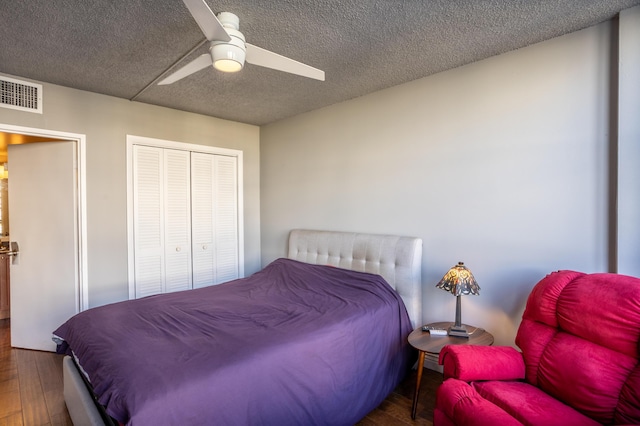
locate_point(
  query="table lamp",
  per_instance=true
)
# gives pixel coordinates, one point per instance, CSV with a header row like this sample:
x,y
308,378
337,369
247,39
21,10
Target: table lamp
x,y
459,280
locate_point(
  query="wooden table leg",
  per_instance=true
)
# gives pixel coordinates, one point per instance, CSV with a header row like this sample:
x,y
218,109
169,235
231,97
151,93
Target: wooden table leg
x,y
418,380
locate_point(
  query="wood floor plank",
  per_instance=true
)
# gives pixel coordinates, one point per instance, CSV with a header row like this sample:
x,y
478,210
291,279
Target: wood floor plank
x,y
13,420
61,419
31,388
50,372
34,408
10,398
8,367
395,410
10,405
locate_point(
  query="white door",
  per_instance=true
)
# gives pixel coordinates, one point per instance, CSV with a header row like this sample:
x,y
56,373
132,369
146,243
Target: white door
x,y
162,220
43,210
177,196
215,198
227,228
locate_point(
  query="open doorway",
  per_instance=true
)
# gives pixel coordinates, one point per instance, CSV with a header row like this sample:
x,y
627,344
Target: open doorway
x,y
30,311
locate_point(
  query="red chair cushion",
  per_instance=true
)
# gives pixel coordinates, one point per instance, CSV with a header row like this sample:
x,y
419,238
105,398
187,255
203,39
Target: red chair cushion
x,y
530,405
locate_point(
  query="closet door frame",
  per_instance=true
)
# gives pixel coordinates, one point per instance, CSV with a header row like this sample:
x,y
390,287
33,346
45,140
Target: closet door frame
x,y
133,140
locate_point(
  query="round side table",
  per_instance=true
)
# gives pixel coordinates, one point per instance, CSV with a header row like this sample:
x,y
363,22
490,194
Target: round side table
x,y
425,342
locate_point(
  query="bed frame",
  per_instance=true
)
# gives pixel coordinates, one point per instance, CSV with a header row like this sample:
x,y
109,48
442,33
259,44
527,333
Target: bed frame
x,y
397,259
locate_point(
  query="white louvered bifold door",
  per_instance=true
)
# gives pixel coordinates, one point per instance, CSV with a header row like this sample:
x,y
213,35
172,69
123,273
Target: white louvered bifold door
x,y
214,202
226,219
162,220
202,229
177,189
148,217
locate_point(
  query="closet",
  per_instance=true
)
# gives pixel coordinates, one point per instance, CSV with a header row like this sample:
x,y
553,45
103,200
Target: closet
x,y
186,231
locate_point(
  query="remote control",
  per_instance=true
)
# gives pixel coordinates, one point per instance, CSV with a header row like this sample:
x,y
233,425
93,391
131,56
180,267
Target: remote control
x,y
435,331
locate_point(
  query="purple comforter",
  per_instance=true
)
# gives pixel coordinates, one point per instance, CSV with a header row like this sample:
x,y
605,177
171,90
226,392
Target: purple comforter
x,y
294,344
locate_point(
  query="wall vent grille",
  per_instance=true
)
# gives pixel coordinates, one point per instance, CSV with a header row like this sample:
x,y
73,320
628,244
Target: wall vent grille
x,y
20,95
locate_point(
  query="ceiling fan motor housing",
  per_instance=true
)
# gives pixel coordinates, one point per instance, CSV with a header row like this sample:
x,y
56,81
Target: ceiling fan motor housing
x,y
229,56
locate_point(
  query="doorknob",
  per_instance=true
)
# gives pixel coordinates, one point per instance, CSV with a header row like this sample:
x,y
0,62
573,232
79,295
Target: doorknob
x,y
13,251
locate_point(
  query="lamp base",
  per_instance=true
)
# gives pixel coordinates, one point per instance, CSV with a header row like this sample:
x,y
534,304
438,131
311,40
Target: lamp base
x,y
458,331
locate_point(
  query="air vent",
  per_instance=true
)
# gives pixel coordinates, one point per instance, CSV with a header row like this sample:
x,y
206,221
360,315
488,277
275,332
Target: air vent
x,y
21,95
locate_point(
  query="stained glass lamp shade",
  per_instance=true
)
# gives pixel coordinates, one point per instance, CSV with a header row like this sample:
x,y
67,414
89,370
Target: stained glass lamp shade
x,y
459,281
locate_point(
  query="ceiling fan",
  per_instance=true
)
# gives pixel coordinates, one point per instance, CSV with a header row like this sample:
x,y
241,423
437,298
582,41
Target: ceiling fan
x,y
228,49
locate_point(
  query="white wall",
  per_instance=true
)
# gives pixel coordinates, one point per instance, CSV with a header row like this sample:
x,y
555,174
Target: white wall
x,y
501,164
106,121
629,144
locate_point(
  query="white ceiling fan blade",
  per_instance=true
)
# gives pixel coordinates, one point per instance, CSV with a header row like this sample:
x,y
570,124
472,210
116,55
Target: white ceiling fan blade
x,y
265,58
197,64
207,21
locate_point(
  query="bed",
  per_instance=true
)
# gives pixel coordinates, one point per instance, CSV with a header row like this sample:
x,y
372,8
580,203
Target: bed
x,y
319,337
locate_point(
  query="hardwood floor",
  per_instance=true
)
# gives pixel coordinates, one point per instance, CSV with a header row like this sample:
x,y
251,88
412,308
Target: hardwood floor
x,y
30,385
31,391
396,409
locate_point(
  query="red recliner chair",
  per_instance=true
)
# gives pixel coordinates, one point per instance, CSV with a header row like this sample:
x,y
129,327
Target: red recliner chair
x,y
579,365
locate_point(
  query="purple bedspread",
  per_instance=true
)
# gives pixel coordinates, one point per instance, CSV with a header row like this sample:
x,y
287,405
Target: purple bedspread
x,y
294,344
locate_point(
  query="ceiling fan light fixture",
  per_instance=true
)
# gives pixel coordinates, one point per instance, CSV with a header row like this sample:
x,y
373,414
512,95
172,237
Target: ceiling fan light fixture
x,y
229,56
227,65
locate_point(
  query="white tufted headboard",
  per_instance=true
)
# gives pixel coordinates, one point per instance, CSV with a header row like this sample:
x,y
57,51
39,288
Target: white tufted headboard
x,y
397,259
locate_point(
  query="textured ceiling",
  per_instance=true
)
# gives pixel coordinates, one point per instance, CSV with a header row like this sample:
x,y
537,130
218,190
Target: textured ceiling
x,y
122,47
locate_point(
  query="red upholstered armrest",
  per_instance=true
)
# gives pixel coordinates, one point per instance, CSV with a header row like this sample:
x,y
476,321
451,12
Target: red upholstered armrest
x,y
469,363
464,407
